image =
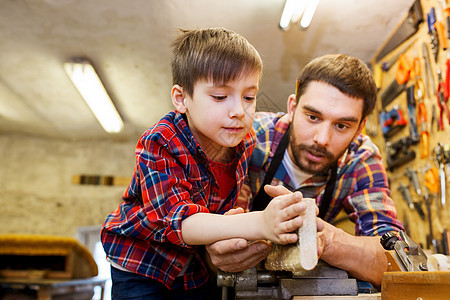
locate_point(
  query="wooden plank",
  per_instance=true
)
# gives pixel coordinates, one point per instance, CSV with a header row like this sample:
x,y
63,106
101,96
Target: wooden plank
x,y
412,285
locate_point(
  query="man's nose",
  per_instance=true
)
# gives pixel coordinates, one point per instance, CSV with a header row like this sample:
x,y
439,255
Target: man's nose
x,y
322,135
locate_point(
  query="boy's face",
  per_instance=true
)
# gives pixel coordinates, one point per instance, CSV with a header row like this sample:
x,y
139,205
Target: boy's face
x,y
324,122
221,115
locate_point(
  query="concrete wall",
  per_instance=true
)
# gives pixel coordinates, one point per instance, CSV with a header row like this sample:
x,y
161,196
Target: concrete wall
x,y
36,191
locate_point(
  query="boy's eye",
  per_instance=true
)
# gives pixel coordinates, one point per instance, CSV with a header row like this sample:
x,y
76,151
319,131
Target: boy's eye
x,y
249,98
219,98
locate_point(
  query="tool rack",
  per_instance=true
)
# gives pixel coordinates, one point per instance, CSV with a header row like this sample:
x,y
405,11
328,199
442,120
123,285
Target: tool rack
x,y
413,106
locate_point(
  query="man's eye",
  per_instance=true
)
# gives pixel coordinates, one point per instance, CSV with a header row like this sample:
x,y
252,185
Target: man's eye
x,y
342,126
312,118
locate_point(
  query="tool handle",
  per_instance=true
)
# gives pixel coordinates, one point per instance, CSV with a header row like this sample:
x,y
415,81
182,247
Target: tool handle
x,y
440,28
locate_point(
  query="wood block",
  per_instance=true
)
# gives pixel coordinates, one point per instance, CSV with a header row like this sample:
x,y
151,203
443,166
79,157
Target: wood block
x,y
303,254
416,285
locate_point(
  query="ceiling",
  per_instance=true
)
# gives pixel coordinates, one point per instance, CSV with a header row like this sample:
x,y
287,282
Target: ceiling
x,y
129,45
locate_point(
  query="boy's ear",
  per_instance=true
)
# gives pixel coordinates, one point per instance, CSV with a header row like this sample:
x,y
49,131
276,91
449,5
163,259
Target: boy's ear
x,y
291,106
178,98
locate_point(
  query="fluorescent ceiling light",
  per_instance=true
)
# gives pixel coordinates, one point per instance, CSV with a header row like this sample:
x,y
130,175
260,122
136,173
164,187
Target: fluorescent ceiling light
x,y
298,10
86,80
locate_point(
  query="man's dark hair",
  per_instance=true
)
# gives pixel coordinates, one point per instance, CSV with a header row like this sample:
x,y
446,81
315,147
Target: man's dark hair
x,y
214,53
346,73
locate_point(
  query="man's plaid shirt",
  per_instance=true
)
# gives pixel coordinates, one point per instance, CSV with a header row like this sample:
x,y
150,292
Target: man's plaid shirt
x,y
361,188
172,180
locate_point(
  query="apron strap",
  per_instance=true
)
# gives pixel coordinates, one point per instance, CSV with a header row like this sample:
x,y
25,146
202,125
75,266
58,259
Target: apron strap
x,y
262,199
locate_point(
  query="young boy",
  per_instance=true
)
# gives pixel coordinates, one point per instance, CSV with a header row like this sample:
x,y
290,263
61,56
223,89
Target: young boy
x,y
189,169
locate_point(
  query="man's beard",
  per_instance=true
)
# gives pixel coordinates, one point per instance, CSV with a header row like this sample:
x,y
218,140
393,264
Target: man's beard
x,y
311,167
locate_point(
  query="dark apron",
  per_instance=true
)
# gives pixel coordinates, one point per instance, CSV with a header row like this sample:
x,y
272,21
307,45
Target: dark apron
x,y
262,199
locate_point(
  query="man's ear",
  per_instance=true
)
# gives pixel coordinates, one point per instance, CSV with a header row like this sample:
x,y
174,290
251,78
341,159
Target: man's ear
x,y
178,98
361,127
291,106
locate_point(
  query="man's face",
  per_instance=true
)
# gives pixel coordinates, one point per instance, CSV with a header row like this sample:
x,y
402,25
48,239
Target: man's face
x,y
323,124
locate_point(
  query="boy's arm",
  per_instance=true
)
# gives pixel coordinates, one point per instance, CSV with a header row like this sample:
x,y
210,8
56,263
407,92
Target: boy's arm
x,y
275,223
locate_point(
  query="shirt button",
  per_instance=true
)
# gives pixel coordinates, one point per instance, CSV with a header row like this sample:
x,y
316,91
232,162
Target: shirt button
x,y
215,194
178,265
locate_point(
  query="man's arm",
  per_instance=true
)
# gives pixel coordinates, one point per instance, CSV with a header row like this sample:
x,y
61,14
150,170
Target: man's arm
x,y
361,256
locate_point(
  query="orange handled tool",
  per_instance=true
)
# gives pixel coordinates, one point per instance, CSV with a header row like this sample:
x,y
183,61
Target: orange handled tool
x,y
424,146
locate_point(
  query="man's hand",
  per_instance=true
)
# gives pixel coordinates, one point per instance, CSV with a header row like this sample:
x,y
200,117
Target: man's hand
x,y
236,255
361,256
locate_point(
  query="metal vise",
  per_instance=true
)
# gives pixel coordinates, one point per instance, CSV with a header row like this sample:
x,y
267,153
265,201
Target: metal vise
x,y
324,280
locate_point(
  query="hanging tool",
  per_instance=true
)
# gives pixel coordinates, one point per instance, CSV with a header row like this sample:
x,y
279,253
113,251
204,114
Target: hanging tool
x,y
438,154
431,181
388,64
434,118
392,121
424,146
414,180
411,103
430,187
398,85
442,101
398,153
446,15
440,28
434,40
428,71
403,32
404,190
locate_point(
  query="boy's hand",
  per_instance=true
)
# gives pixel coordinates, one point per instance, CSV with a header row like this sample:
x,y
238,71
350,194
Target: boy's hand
x,y
282,215
236,255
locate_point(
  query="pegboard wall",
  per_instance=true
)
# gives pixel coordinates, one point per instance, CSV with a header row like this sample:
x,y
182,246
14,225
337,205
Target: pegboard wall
x,y
411,123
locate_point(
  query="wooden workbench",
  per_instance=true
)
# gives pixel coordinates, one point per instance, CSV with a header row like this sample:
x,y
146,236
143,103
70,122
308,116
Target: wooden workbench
x,y
47,289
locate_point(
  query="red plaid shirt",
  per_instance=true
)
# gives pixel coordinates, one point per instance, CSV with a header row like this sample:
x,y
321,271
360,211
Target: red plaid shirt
x,y
172,181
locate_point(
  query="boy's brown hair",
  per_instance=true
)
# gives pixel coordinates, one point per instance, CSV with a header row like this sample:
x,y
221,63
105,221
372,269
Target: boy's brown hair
x,y
346,73
214,53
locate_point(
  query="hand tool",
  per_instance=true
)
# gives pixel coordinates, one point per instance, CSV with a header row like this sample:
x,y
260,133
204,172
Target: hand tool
x,y
431,181
441,101
424,146
398,153
446,14
429,187
411,104
407,253
446,149
404,190
398,85
433,118
438,153
414,180
388,64
434,40
392,121
429,73
408,28
440,27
